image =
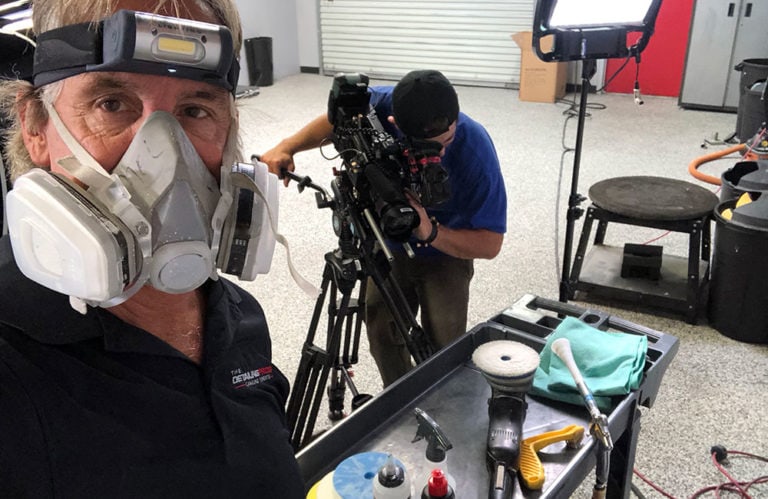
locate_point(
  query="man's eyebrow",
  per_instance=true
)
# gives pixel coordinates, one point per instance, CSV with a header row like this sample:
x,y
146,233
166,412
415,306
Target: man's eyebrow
x,y
108,82
206,94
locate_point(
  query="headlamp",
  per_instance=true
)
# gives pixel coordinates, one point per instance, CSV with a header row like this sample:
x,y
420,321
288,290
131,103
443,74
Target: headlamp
x,y
138,42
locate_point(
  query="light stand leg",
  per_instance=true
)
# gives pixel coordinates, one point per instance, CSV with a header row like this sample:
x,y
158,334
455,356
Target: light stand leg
x,y
588,67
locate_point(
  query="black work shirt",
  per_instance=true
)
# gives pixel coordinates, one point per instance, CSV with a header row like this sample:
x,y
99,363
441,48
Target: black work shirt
x,y
93,407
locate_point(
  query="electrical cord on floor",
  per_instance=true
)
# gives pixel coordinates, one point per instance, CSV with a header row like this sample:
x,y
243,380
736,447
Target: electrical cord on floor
x,y
719,456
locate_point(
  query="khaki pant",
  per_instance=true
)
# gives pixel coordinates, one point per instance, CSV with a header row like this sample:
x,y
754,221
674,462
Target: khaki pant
x,y
438,286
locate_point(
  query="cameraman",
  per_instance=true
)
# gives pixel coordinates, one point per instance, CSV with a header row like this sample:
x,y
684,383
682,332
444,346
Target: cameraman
x,y
471,224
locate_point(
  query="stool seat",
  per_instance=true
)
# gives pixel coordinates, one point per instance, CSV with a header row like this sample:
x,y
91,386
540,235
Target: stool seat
x,y
653,198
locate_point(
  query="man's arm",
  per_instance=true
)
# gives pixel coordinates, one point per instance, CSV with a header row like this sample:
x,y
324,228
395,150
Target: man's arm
x,y
312,135
459,243
468,243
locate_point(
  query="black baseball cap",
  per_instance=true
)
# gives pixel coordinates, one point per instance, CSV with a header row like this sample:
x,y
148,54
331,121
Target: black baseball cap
x,y
424,104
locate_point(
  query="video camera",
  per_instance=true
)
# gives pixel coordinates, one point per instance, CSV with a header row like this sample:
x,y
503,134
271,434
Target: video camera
x,y
380,168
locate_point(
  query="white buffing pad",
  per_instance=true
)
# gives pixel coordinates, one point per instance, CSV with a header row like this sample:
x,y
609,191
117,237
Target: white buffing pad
x,y
507,365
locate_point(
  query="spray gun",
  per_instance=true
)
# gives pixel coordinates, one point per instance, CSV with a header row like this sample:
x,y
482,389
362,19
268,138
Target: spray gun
x,y
437,442
508,366
598,426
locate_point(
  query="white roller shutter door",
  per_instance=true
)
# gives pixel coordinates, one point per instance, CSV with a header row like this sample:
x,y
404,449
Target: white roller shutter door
x,y
469,41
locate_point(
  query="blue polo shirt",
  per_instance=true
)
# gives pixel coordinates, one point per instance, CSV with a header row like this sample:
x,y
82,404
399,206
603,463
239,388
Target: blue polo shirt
x,y
478,196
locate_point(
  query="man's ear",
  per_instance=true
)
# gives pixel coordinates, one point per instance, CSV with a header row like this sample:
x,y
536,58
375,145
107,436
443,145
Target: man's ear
x,y
34,138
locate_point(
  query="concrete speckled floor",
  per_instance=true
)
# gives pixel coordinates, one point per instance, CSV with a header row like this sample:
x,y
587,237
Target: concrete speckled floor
x,y
715,389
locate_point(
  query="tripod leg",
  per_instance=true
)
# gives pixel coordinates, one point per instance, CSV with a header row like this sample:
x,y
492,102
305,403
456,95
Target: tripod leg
x,y
311,376
316,363
342,378
359,309
336,394
331,362
312,394
358,399
414,336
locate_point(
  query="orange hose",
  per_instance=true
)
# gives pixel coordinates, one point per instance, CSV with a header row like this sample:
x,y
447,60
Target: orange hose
x,y
693,168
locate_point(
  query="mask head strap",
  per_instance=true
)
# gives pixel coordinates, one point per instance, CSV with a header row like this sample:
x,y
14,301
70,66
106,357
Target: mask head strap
x,y
137,42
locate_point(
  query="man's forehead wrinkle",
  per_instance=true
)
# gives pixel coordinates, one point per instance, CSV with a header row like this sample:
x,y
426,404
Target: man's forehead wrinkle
x,y
112,82
106,81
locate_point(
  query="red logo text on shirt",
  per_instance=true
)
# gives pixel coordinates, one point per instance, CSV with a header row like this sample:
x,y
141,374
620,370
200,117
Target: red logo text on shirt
x,y
243,379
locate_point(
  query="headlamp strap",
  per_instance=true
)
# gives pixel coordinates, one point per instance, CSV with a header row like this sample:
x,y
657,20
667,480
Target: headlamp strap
x,y
66,51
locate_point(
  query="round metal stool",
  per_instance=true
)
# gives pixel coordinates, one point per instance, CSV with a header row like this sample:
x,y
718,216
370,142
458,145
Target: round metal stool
x,y
655,202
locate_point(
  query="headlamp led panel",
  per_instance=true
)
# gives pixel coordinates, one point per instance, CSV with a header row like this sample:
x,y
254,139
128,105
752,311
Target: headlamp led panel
x,y
189,43
138,42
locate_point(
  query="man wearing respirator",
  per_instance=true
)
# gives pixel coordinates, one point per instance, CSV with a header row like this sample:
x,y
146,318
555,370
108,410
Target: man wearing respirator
x,y
128,367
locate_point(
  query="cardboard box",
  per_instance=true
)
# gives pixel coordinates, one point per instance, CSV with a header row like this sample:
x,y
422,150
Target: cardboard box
x,y
539,81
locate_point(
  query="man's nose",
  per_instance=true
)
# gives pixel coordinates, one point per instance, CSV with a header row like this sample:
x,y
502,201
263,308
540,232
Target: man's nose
x,y
147,111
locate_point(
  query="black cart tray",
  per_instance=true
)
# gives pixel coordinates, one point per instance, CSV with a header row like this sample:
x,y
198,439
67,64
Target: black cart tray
x,y
454,393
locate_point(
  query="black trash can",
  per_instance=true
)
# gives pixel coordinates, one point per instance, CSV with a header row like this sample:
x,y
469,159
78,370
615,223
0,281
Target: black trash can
x,y
258,53
752,109
739,275
744,176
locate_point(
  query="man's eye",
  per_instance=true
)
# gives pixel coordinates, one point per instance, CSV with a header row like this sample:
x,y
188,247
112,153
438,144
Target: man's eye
x,y
195,112
110,105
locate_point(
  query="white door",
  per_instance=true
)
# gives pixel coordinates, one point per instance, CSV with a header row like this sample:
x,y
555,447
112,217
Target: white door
x,y
469,41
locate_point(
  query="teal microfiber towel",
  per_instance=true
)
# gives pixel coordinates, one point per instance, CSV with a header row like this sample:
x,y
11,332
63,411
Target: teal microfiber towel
x,y
610,363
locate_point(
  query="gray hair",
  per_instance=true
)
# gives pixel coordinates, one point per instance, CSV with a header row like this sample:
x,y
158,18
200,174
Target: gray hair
x,y
18,96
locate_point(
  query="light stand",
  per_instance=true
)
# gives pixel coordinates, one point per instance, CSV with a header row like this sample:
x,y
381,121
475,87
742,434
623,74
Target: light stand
x,y
574,211
587,30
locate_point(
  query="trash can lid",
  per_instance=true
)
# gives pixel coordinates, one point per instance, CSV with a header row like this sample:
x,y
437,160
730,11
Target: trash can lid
x,y
752,215
756,62
756,180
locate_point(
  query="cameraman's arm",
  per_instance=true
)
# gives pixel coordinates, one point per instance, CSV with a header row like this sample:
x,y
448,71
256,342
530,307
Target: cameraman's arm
x,y
312,135
459,243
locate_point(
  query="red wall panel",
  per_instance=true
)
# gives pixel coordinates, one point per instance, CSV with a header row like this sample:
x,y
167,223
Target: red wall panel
x,y
663,60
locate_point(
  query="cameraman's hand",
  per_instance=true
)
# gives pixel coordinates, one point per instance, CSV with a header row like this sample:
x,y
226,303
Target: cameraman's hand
x,y
277,160
424,229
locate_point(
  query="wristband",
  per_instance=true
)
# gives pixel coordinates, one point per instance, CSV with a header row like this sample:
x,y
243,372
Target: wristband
x,y
432,235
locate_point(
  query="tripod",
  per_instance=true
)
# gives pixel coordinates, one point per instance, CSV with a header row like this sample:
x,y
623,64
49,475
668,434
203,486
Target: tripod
x,y
361,253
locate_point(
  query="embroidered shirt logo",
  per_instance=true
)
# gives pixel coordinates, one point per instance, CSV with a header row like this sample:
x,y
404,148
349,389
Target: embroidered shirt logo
x,y
243,379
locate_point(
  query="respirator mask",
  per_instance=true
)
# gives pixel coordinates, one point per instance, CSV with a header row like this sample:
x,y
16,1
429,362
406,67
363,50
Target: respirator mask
x,y
158,218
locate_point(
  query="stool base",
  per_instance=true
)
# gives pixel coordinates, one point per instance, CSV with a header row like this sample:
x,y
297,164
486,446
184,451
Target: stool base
x,y
683,283
601,279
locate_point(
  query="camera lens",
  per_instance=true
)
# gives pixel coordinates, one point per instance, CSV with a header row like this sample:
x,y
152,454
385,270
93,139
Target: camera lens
x,y
398,221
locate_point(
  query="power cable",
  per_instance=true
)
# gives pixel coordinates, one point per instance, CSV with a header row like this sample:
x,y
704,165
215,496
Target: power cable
x,y
719,457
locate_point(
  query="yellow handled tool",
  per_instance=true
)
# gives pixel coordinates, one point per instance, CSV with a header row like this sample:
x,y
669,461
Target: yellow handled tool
x,y
531,469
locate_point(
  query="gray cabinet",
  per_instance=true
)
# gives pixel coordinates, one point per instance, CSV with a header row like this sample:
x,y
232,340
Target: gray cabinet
x,y
723,33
